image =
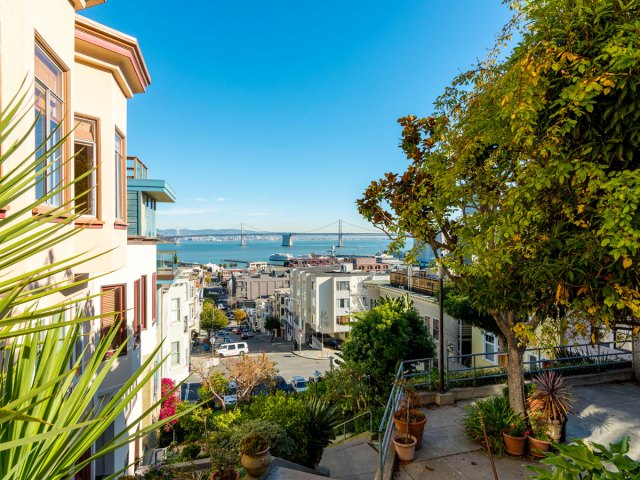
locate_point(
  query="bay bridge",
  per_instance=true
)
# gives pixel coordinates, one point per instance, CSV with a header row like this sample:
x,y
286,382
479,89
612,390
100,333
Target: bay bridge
x,y
287,237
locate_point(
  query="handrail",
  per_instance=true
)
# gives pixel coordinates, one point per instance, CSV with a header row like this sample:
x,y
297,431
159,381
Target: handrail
x,y
344,424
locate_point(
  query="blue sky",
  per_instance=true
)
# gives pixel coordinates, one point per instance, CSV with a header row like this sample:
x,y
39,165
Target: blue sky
x,y
279,113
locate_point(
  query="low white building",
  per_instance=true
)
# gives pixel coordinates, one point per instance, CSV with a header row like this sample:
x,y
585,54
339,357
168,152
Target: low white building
x,y
325,298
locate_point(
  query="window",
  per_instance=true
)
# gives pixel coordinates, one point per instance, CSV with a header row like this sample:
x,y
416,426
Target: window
x,y
435,329
113,307
342,303
49,112
143,302
343,319
137,311
374,302
175,353
342,286
84,164
119,173
175,310
427,323
490,347
153,298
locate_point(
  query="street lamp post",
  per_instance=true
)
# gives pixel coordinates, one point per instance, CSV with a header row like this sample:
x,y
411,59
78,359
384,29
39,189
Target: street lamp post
x,y
441,358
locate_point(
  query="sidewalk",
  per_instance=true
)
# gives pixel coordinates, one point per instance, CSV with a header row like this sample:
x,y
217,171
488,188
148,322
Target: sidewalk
x,y
603,413
308,352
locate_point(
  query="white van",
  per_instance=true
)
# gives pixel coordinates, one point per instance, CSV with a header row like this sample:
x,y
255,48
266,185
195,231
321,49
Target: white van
x,y
232,349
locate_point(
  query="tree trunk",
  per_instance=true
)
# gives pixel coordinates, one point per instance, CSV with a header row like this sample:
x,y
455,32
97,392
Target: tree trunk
x,y
635,355
515,375
515,366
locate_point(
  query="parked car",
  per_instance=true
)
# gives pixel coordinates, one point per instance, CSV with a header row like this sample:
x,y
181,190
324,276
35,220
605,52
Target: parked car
x,y
236,331
232,349
298,384
246,335
260,389
230,395
281,384
189,392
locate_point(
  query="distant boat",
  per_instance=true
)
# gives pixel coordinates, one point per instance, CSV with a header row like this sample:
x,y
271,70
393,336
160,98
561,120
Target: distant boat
x,y
281,257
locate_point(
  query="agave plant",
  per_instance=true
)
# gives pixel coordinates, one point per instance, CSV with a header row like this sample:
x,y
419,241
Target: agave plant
x,y
551,396
47,418
322,419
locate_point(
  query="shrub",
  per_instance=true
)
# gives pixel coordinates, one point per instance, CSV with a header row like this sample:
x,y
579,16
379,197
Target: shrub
x,y
588,461
496,414
254,443
190,451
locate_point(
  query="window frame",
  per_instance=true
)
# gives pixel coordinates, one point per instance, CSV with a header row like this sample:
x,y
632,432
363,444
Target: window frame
x,y
96,165
120,180
121,337
143,302
491,357
65,124
173,354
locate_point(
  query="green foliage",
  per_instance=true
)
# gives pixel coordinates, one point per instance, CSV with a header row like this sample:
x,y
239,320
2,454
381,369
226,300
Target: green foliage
x,y
349,387
224,420
382,337
190,451
529,167
197,421
287,411
551,396
271,323
517,426
496,414
212,318
459,305
587,461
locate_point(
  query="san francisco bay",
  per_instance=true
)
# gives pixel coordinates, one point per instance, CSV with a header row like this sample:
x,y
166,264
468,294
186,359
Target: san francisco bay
x,y
260,250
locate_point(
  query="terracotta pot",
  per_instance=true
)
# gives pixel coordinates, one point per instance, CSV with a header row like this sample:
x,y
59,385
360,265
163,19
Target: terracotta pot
x,y
514,445
538,447
405,449
257,464
416,428
554,429
228,475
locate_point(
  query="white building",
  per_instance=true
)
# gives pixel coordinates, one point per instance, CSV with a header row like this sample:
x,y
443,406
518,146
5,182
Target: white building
x,y
324,299
180,316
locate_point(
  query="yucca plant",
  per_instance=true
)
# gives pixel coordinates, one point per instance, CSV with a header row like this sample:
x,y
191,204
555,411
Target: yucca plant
x,y
322,419
47,418
551,396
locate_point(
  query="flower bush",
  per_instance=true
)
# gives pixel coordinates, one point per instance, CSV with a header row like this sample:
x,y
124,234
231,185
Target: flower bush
x,y
170,404
539,427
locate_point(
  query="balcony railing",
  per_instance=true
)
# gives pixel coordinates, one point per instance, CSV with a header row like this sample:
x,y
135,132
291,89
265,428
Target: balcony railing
x,y
421,282
136,169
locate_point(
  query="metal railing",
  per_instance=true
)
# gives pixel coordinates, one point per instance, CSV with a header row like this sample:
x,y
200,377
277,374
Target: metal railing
x,y
562,358
352,420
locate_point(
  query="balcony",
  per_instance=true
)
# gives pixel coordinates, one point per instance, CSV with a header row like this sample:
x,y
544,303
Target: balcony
x,y
421,282
166,266
136,169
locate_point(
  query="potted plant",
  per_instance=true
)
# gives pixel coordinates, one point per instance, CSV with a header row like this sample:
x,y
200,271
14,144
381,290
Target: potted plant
x,y
408,419
551,398
255,453
538,435
404,442
514,435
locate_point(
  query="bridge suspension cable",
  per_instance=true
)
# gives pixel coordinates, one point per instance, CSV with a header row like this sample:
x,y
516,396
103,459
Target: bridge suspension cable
x,y
321,228
372,230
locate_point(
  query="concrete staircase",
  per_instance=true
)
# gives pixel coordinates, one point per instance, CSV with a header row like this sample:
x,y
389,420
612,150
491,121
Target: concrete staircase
x,y
353,459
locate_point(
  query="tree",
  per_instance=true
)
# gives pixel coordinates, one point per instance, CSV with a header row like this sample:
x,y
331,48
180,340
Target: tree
x,y
212,318
240,315
249,372
526,176
272,324
214,383
49,420
382,337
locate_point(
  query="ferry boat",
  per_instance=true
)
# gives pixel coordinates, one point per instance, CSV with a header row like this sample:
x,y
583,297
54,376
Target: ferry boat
x,y
281,257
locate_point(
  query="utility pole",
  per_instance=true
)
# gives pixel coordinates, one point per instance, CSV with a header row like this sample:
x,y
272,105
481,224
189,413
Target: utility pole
x,y
441,358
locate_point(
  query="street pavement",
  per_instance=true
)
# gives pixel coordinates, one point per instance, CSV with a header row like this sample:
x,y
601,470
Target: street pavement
x,y
304,362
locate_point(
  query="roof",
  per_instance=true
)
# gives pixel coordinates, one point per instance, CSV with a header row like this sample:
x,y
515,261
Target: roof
x,y
107,49
159,190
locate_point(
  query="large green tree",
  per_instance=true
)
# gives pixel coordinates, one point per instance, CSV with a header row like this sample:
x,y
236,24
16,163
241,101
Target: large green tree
x,y
383,336
212,318
526,175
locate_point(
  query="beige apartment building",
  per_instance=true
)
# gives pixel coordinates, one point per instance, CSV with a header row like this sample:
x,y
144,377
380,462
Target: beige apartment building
x,y
82,75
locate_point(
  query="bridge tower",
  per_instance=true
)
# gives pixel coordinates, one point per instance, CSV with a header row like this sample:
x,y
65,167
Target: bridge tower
x,y
287,240
340,242
243,240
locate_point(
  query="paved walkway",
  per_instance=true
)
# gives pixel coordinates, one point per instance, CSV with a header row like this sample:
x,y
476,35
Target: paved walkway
x,y
603,413
354,459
